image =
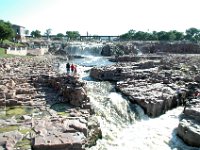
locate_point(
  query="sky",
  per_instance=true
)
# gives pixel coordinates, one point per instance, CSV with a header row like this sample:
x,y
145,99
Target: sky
x,y
102,17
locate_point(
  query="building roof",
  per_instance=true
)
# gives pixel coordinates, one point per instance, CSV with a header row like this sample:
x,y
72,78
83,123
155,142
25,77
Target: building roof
x,y
18,25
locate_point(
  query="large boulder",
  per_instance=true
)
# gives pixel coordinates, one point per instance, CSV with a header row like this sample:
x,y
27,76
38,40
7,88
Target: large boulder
x,y
54,134
188,130
154,98
189,126
106,50
109,74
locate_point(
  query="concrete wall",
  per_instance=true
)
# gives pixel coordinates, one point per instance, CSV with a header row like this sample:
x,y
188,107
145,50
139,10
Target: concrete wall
x,y
38,51
17,51
24,51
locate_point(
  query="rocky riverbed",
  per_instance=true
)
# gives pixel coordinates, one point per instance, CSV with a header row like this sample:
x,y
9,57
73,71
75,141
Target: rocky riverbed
x,y
42,109
158,85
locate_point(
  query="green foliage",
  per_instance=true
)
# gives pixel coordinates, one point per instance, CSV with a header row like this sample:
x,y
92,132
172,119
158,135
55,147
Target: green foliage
x,y
8,128
3,55
60,35
193,34
6,31
2,51
24,144
18,111
72,35
47,33
36,34
27,32
10,43
128,36
25,130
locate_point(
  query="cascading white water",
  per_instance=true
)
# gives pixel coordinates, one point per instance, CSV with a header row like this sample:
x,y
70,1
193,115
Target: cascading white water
x,y
113,111
124,125
84,49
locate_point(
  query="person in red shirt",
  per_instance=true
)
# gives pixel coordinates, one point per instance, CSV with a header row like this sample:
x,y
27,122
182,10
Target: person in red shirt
x,y
72,68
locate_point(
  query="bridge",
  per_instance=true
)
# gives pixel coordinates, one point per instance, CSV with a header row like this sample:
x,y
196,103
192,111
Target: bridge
x,y
99,37
88,37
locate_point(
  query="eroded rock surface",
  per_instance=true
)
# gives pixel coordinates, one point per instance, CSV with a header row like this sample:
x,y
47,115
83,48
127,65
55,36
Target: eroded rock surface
x,y
158,85
189,126
30,90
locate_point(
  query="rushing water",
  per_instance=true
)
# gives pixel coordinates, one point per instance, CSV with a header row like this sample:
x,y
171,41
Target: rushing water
x,y
124,125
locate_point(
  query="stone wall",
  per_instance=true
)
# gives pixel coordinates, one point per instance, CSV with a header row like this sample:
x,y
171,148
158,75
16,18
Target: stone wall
x,y
26,51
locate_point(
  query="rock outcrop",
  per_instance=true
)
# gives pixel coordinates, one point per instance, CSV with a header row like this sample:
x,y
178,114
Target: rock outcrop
x,y
30,90
189,126
160,85
152,84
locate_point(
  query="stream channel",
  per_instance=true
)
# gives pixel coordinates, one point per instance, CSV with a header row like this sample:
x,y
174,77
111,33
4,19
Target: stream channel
x,y
124,125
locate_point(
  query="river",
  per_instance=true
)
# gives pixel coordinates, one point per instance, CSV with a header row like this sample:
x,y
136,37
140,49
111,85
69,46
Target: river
x,y
124,125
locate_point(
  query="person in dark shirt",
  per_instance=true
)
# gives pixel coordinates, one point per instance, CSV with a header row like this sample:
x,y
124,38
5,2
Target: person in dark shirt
x,y
68,67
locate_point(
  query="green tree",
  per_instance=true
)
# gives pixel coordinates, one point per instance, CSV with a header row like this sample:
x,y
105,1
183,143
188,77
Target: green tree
x,y
60,35
6,31
48,32
192,34
140,35
72,35
36,34
162,36
128,36
27,32
179,35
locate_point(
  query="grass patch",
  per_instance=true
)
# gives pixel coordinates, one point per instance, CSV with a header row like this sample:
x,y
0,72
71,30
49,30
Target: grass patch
x,y
8,129
24,144
25,130
18,111
61,109
63,114
2,51
12,43
3,55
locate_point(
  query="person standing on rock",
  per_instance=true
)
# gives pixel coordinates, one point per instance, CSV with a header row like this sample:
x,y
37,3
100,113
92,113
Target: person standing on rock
x,y
72,67
68,67
75,70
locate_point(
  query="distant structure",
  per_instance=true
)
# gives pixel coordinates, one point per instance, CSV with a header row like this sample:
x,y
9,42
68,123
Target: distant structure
x,y
20,33
100,37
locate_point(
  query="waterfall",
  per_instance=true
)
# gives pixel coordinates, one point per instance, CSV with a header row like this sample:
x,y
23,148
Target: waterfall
x,y
152,134
113,111
84,49
124,125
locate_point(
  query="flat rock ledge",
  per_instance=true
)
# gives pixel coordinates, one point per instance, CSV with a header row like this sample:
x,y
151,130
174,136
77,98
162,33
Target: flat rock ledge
x,y
30,88
189,126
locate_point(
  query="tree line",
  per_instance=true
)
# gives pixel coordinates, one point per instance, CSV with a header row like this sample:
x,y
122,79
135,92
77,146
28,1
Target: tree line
x,y
72,35
6,31
191,34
